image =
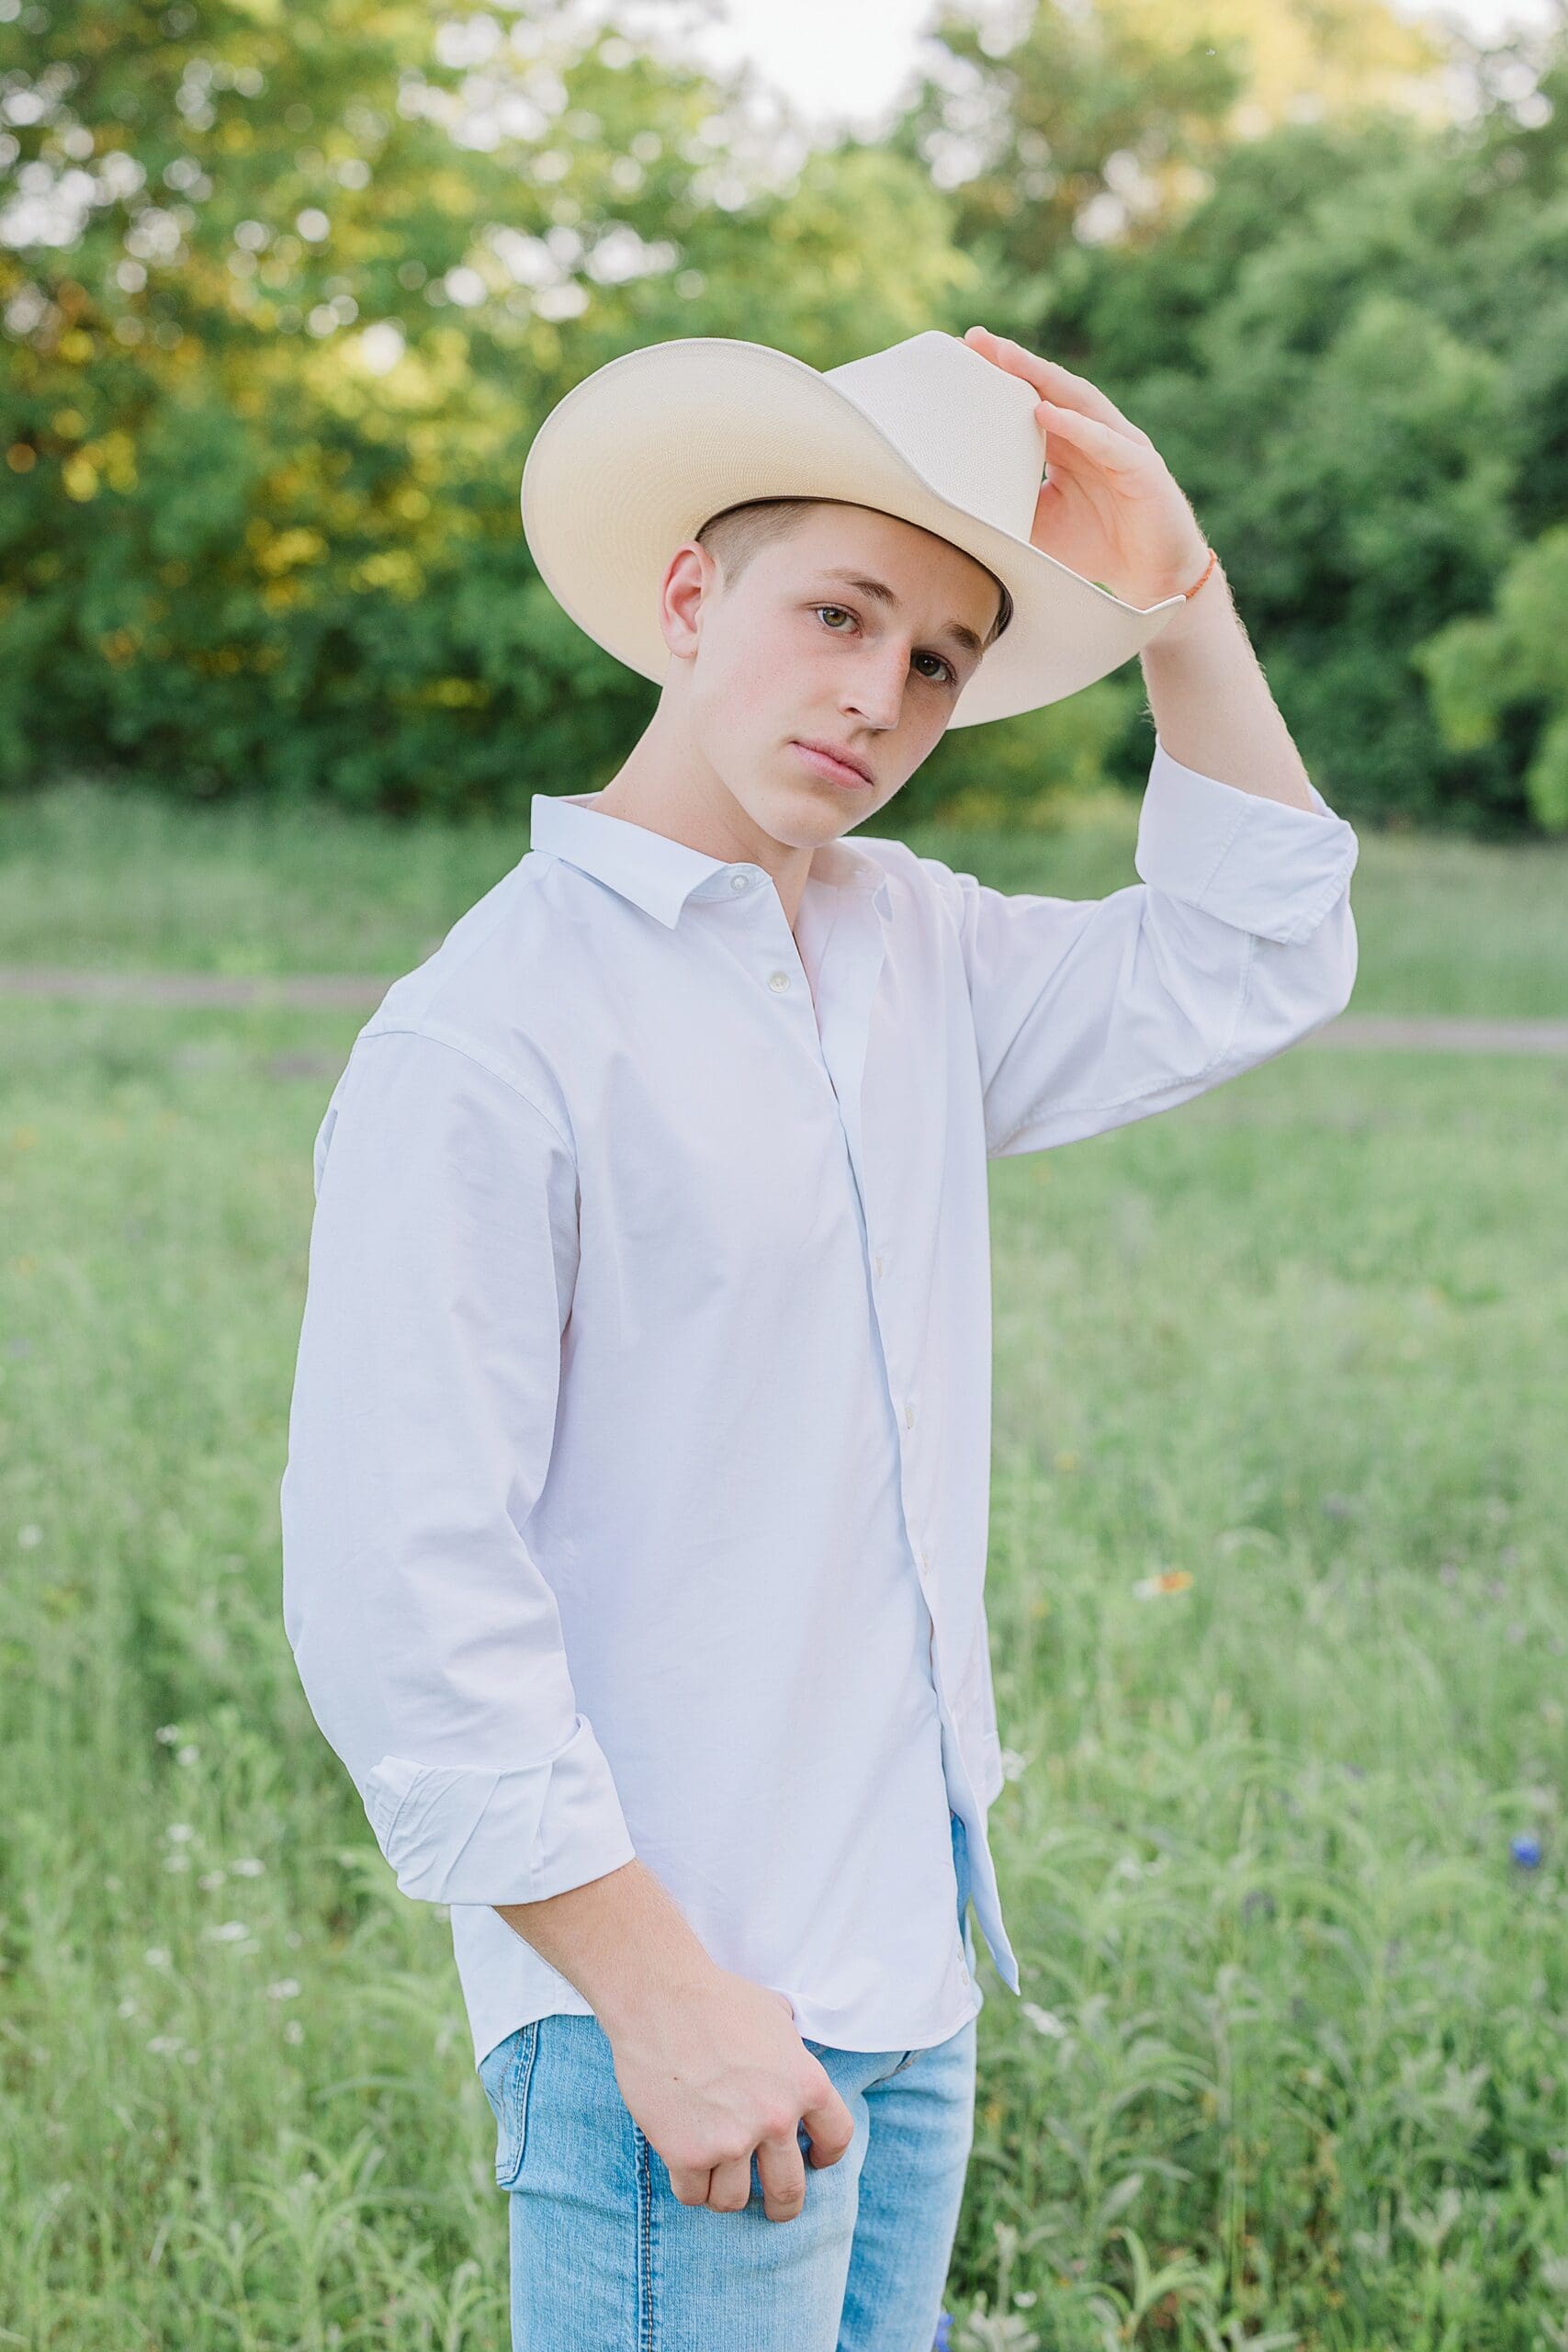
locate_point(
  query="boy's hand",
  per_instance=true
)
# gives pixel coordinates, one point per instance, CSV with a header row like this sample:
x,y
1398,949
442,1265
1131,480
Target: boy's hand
x,y
721,2075
1109,509
710,2064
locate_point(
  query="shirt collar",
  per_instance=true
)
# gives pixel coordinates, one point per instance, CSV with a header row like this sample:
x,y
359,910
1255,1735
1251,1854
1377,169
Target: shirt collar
x,y
659,874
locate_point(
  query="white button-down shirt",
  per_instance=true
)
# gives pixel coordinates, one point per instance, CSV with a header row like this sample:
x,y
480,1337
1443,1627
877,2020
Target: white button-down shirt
x,y
639,1459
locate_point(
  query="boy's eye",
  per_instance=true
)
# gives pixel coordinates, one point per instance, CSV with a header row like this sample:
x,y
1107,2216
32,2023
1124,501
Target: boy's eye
x,y
944,668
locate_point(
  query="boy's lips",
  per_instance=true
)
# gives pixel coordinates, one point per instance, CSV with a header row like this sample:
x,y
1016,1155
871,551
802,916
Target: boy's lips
x,y
837,767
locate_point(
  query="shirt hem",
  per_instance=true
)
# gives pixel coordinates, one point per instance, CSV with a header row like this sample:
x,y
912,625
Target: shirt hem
x,y
486,2038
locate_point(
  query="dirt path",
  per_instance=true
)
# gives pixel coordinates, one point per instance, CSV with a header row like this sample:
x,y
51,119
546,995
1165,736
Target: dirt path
x,y
352,992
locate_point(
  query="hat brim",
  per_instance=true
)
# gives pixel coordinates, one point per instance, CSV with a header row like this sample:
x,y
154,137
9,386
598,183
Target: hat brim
x,y
640,454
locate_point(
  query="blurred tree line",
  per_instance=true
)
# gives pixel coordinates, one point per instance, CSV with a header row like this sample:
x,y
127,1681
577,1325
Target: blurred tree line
x,y
285,294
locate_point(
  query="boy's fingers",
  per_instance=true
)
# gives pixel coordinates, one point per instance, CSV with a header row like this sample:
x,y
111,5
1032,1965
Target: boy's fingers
x,y
1057,382
1110,450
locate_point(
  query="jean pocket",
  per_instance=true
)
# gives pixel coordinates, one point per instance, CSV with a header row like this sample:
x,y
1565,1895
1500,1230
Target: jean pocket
x,y
506,2072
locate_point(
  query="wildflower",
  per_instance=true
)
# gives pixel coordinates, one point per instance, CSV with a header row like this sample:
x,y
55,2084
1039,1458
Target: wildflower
x,y
211,1879
189,1754
294,2030
1014,1766
285,1989
156,1956
164,2045
167,1732
1045,2021
1526,1850
127,2008
176,1861
1168,1580
179,1833
247,1867
30,1537
232,1931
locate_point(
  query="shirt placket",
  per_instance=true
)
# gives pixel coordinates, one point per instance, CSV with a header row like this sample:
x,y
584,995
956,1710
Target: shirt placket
x,y
850,946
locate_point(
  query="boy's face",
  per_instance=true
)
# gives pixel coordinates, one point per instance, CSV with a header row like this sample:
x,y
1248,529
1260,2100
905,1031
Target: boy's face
x,y
800,649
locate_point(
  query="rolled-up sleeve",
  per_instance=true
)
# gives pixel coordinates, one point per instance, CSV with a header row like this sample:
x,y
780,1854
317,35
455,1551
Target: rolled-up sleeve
x,y
1236,941
442,1260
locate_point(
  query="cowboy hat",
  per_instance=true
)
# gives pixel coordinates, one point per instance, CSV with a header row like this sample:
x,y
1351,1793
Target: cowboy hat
x,y
638,456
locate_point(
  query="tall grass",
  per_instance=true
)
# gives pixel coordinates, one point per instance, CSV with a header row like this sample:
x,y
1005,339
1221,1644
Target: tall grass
x,y
1277,1590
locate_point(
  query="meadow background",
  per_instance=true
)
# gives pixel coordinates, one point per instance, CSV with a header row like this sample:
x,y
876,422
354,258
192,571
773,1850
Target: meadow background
x,y
1278,1568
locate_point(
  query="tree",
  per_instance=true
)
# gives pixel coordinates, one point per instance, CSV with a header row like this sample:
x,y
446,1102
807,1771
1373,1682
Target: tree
x,y
1353,351
1508,665
285,296
1103,123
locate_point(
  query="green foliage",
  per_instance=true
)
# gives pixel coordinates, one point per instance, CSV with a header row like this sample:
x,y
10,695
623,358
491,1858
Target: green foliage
x,y
1100,120
1513,659
1354,356
1025,771
287,294
250,546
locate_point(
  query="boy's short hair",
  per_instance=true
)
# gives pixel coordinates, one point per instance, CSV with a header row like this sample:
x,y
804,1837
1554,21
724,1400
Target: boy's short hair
x,y
734,535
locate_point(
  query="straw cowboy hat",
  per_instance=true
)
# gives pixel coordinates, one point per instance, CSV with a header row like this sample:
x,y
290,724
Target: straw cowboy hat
x,y
642,453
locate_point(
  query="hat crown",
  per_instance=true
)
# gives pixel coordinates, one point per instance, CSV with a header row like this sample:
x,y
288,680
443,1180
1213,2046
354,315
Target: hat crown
x,y
963,423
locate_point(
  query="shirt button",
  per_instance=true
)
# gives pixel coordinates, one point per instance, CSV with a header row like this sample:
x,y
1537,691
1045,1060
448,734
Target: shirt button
x,y
778,981
963,1974
908,1417
877,1263
740,881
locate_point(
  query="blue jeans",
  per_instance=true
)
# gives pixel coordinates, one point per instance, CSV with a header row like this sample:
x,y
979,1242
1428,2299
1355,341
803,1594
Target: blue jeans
x,y
604,2258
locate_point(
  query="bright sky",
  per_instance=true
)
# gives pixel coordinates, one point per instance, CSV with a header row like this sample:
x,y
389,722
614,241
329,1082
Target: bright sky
x,y
843,60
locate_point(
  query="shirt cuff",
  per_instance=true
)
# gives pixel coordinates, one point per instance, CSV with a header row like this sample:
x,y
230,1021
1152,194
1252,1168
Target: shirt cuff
x,y
1261,864
457,1835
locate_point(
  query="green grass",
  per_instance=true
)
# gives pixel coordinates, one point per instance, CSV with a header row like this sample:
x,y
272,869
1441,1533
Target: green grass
x,y
1293,2048
119,878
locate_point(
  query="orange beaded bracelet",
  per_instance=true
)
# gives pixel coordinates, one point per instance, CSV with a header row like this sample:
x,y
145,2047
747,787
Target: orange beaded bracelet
x,y
1191,592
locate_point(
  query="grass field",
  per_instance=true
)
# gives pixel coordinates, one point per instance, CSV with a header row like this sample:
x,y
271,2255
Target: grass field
x,y
125,880
1291,2062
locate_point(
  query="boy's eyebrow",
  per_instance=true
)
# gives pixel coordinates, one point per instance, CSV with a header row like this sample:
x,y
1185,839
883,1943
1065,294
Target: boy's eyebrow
x,y
878,590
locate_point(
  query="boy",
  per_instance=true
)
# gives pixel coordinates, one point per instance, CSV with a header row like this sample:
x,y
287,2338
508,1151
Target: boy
x,y
635,1510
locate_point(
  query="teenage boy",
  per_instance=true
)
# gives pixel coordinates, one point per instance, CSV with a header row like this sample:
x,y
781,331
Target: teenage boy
x,y
635,1512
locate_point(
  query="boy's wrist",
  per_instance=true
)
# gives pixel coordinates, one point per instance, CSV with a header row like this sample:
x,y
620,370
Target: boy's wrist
x,y
1208,611
622,1941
